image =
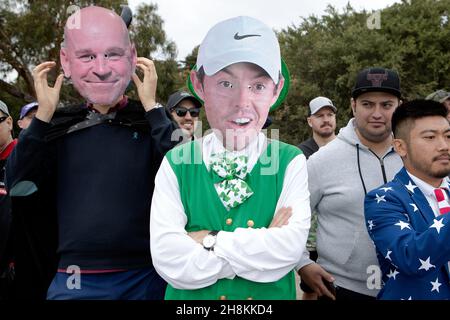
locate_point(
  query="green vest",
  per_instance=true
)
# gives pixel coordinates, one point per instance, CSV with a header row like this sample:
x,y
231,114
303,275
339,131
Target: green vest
x,y
205,211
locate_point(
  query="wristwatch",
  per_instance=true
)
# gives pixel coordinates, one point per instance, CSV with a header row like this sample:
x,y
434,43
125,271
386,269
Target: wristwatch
x,y
157,105
210,240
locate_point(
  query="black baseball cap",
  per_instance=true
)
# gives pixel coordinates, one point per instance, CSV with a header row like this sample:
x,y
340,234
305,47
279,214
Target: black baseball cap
x,y
377,79
176,97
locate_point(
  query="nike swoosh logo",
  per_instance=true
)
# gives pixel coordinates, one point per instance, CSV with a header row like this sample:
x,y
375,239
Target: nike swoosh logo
x,y
238,37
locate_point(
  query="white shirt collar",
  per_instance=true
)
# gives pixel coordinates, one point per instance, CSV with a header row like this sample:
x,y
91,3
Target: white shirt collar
x,y
212,145
428,192
426,188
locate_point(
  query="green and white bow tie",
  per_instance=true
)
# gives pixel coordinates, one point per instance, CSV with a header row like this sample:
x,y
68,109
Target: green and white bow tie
x,y
229,172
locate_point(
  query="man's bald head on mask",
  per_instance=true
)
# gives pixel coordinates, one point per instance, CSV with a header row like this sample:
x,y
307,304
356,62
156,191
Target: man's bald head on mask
x,y
98,55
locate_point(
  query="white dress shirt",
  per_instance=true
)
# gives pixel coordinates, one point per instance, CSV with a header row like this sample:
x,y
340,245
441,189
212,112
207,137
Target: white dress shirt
x,y
428,192
260,255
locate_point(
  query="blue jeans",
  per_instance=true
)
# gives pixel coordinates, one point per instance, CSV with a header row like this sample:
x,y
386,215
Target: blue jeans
x,y
136,284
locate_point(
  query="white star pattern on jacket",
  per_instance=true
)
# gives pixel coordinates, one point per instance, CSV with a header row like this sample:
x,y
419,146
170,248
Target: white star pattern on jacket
x,y
403,225
436,284
426,265
405,216
414,206
388,255
393,273
379,199
437,224
410,186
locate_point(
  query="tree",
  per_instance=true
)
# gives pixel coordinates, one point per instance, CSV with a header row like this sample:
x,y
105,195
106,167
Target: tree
x,y
188,64
191,58
148,34
324,55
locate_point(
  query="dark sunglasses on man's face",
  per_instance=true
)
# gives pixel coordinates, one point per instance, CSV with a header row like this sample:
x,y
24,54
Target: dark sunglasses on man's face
x,y
181,111
4,118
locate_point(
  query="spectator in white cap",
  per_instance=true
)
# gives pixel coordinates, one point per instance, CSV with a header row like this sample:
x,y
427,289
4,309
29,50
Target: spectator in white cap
x,y
322,120
230,212
27,114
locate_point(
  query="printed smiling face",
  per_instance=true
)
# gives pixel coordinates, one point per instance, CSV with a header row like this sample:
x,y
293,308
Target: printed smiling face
x,y
237,100
98,55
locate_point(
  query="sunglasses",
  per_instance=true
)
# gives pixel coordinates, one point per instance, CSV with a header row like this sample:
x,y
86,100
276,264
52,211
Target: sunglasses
x,y
6,117
181,111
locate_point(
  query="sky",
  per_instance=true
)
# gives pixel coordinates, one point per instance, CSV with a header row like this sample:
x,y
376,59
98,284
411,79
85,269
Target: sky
x,y
186,22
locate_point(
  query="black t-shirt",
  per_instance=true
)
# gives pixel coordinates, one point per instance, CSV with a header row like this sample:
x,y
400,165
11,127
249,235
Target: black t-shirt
x,y
308,147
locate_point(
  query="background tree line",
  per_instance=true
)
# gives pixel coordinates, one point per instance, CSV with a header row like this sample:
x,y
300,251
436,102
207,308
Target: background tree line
x,y
323,53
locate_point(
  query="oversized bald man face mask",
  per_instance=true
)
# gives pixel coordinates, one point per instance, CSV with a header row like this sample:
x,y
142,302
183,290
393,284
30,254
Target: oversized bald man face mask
x,y
98,55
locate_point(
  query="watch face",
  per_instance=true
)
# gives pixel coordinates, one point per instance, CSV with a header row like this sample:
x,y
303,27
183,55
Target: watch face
x,y
209,241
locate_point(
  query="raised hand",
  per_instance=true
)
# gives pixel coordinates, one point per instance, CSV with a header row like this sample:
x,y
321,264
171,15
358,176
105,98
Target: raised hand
x,y
146,88
47,97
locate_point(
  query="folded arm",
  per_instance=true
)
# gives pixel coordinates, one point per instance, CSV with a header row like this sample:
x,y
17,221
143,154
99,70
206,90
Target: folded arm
x,y
408,249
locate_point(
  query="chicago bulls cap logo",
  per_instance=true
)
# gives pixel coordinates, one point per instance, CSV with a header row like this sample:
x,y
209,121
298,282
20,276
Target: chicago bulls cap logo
x,y
377,78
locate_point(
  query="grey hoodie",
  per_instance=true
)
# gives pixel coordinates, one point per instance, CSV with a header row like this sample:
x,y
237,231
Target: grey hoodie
x,y
340,174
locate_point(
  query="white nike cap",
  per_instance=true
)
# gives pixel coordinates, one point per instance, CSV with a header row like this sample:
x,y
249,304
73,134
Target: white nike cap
x,y
240,39
320,102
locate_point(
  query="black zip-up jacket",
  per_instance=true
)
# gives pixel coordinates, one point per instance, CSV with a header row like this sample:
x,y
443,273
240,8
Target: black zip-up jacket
x,y
99,179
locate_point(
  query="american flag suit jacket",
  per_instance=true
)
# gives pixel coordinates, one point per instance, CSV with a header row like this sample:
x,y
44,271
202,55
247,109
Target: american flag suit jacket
x,y
413,246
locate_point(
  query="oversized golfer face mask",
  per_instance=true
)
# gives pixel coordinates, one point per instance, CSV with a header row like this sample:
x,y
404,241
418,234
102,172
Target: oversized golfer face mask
x,y
98,55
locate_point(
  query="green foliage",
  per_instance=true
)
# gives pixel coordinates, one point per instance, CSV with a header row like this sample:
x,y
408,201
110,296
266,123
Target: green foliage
x,y
191,58
147,33
324,55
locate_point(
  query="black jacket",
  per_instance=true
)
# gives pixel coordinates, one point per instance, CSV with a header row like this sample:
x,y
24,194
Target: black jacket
x,y
5,215
6,267
35,160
